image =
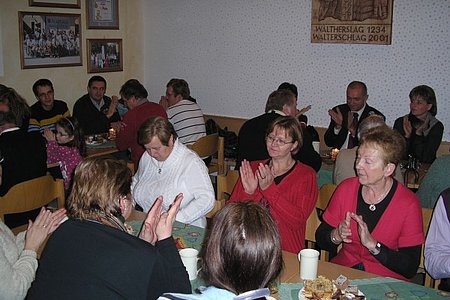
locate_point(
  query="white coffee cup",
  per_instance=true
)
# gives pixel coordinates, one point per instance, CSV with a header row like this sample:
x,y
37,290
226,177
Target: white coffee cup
x,y
316,146
189,257
309,261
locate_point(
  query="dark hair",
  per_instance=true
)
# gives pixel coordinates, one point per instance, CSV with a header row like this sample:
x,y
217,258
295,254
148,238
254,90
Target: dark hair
x,y
73,128
133,88
243,250
291,127
98,182
180,87
16,103
355,84
41,82
96,78
387,140
277,99
427,93
156,126
289,86
7,117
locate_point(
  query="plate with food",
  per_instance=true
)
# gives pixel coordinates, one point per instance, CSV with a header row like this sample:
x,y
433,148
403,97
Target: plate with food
x,y
93,141
323,288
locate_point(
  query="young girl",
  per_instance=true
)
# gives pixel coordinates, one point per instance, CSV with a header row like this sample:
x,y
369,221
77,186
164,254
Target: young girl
x,y
66,147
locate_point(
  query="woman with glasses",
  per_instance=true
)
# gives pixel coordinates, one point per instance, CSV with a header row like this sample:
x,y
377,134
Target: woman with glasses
x,y
285,186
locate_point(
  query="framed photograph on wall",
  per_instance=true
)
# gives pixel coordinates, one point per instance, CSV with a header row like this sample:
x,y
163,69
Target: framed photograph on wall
x,y
49,40
56,3
104,55
102,14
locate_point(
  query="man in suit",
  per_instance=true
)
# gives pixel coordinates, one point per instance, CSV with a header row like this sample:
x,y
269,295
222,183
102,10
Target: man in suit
x,y
95,112
251,139
345,118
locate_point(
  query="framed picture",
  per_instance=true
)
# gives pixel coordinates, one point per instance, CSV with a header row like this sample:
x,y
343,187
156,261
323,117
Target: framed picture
x,y
102,14
56,3
104,55
49,40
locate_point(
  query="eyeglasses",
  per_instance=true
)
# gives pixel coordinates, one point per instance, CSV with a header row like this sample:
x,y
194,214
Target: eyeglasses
x,y
278,142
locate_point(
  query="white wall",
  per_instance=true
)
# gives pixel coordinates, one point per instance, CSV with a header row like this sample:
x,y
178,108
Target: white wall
x,y
234,53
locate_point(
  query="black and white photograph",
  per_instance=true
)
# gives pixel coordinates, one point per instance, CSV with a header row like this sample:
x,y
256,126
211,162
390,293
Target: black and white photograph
x,y
49,40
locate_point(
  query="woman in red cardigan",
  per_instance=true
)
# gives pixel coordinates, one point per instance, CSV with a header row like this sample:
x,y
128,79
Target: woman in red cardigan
x,y
377,220
285,186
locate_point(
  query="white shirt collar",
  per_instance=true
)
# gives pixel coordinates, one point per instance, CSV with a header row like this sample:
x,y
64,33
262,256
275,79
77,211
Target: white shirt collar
x,y
277,112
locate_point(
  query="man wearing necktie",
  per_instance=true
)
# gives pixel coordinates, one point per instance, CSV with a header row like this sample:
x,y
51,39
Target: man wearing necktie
x,y
345,118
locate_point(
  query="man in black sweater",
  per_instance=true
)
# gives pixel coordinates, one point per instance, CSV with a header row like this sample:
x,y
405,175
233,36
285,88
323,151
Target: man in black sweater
x,y
251,139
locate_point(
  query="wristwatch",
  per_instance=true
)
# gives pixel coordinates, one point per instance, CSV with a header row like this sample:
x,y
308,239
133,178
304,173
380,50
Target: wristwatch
x,y
376,250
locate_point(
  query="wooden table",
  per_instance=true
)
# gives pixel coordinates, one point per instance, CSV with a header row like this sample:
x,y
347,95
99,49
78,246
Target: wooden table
x,y
108,148
291,272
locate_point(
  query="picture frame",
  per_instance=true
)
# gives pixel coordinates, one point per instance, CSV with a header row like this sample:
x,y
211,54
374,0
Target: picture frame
x,y
49,40
102,14
104,55
56,3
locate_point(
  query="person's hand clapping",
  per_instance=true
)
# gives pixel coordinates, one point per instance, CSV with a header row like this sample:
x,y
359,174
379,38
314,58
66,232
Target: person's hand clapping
x,y
265,176
164,102
165,224
343,229
248,178
158,225
49,135
336,116
46,222
407,127
364,235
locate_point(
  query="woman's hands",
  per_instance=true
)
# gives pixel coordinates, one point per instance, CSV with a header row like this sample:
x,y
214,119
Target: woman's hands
x,y
158,225
407,126
263,177
342,233
364,235
46,222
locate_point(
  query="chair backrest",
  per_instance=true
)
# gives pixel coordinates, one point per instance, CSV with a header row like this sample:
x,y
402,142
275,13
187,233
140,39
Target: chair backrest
x,y
208,146
225,185
325,193
32,194
427,213
312,224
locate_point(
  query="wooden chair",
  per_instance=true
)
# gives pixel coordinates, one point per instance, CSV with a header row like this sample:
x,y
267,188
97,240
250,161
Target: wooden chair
x,y
225,186
325,193
208,146
130,165
32,194
312,224
427,213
